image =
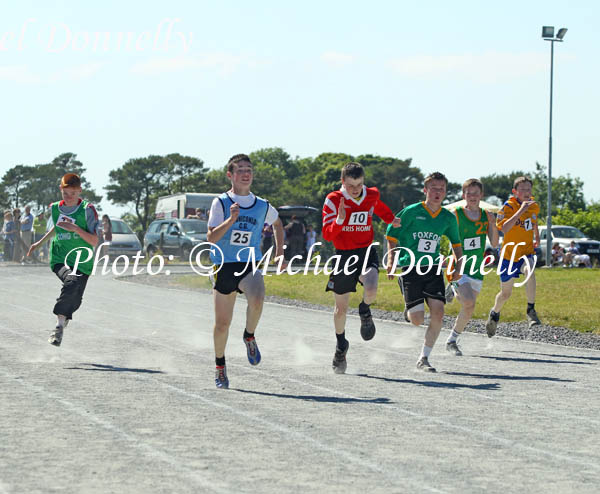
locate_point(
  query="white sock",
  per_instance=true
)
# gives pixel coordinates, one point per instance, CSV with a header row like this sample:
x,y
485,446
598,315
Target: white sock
x,y
62,321
453,336
426,351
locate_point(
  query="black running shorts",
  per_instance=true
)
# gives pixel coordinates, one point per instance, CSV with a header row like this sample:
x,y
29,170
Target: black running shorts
x,y
225,281
419,287
344,283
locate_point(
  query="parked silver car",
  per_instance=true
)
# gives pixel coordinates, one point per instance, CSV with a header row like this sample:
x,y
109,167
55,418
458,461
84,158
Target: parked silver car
x,y
124,241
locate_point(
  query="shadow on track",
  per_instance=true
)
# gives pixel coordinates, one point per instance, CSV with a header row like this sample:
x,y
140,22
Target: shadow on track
x,y
582,357
110,368
435,384
510,378
316,398
534,360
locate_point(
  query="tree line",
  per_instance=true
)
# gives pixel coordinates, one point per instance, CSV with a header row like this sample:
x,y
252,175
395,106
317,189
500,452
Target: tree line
x,y
282,179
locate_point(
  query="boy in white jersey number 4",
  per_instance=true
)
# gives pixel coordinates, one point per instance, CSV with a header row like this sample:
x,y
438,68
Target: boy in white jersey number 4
x,y
235,225
473,225
347,222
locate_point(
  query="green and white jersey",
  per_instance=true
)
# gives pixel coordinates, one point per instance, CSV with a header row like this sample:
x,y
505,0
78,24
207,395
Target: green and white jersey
x,y
472,237
421,232
64,244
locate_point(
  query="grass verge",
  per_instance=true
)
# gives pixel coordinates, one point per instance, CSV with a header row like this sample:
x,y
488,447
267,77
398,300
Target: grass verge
x,y
565,297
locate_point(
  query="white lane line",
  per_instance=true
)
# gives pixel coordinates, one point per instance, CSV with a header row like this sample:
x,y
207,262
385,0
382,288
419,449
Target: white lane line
x,y
424,418
132,440
395,476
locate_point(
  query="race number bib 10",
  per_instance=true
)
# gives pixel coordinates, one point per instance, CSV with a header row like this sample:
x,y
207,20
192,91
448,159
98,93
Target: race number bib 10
x,y
240,238
359,218
65,219
472,243
427,246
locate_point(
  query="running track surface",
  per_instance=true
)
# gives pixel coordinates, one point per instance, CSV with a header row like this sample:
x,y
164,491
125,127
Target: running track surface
x,y
128,403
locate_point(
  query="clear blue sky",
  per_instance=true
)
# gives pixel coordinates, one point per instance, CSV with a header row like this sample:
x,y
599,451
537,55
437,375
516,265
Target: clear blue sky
x,y
461,87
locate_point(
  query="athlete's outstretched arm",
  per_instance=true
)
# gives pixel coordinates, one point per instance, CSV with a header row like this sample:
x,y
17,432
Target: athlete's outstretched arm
x,y
278,233
492,231
35,245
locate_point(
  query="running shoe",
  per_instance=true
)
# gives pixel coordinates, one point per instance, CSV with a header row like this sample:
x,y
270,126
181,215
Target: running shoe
x,y
533,318
367,326
57,335
492,323
221,377
449,293
252,351
339,363
452,347
405,314
424,365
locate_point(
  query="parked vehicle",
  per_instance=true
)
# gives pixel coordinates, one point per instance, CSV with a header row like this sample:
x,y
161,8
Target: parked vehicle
x,y
174,236
180,205
124,241
564,235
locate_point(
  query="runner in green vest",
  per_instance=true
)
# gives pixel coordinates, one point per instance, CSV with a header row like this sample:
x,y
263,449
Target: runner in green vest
x,y
418,237
473,225
71,251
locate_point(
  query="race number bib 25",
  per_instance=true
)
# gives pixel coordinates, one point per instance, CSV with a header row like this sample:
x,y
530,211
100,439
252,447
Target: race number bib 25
x,y
472,243
240,238
427,246
359,218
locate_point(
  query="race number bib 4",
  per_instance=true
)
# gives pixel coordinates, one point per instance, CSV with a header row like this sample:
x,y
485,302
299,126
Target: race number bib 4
x,y
66,219
472,243
359,218
240,238
427,246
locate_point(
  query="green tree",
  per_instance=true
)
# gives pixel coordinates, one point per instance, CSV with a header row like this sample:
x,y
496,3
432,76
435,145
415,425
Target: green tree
x,y
15,182
500,185
588,220
183,173
567,192
139,183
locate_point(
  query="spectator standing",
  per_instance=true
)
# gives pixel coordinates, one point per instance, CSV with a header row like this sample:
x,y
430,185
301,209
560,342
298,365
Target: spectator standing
x,y
17,244
8,230
267,238
26,230
39,229
105,235
295,231
311,237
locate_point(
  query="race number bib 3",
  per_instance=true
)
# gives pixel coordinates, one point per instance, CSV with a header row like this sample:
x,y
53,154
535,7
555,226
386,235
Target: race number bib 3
x,y
240,238
66,219
359,218
427,246
472,243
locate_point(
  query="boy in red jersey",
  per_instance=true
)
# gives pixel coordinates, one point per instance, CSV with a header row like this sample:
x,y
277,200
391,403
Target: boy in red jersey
x,y
347,222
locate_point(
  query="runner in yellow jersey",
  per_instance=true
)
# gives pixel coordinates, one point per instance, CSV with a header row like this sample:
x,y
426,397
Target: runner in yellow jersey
x,y
518,221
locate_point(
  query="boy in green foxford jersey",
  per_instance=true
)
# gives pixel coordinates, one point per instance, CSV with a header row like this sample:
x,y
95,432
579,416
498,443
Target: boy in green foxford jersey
x,y
473,225
418,239
74,233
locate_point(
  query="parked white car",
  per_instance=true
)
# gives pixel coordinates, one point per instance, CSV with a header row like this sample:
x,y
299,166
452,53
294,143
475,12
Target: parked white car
x,y
564,235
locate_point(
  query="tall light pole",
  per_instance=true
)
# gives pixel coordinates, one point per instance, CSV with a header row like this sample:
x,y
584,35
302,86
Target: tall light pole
x,y
548,35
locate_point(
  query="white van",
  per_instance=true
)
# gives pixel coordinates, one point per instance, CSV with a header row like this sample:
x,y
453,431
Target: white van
x,y
180,205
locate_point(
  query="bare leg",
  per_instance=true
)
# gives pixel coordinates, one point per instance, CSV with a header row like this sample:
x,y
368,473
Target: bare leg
x,y
253,287
223,314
